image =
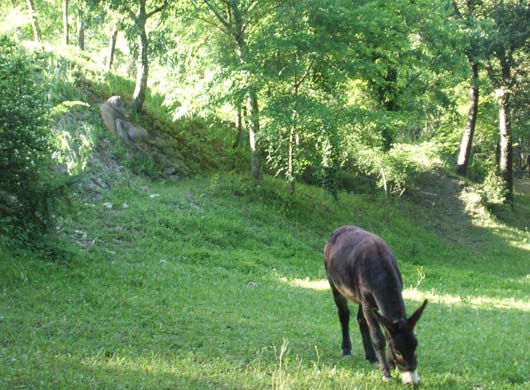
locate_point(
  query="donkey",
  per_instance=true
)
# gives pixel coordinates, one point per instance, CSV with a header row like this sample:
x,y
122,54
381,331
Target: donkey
x,y
361,267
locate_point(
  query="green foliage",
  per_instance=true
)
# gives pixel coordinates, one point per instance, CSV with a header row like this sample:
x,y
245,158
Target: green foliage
x,y
26,179
493,191
73,136
326,72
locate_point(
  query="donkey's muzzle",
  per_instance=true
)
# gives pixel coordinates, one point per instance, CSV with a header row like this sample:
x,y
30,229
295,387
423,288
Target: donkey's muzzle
x,y
410,378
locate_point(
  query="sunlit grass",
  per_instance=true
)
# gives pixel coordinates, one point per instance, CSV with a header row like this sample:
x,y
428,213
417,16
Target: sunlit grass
x,y
213,284
419,295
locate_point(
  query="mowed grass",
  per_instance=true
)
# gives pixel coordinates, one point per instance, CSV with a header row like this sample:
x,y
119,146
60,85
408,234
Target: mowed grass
x,y
213,283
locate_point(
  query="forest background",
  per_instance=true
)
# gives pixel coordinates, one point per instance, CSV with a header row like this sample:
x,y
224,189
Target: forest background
x,y
270,123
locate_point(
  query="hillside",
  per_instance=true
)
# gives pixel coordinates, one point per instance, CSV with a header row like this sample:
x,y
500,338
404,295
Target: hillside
x,y
175,270
213,281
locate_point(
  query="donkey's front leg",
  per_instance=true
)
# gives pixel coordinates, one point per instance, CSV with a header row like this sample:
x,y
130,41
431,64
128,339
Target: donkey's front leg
x,y
344,318
369,352
378,340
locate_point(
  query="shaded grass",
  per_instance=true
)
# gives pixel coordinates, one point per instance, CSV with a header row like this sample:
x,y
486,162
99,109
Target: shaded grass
x,y
189,286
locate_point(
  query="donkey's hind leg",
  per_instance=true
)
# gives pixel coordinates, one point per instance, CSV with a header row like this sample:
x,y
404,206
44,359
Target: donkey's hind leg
x,y
344,317
369,352
378,340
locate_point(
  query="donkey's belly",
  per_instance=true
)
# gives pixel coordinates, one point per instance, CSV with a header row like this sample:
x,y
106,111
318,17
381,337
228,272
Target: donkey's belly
x,y
347,292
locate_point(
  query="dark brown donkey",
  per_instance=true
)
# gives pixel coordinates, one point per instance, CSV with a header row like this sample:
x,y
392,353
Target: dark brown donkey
x,y
361,267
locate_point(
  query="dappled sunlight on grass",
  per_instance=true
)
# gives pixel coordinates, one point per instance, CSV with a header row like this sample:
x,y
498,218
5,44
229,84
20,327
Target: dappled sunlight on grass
x,y
176,372
478,301
277,367
418,295
483,218
317,285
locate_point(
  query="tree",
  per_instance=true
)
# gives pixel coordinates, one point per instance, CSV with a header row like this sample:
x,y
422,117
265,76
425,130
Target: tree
x,y
66,26
233,18
139,21
299,109
25,151
511,35
112,48
34,22
474,49
80,25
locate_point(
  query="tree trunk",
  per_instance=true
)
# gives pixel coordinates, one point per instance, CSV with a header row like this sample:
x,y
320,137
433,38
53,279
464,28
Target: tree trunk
x,y
505,131
34,22
112,48
293,136
80,26
252,96
290,160
467,139
65,22
239,127
253,132
142,71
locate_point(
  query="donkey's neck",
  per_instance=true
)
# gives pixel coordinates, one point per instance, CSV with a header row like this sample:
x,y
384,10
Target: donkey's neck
x,y
390,304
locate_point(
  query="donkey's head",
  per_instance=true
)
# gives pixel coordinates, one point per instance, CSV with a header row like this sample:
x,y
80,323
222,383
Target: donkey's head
x,y
402,344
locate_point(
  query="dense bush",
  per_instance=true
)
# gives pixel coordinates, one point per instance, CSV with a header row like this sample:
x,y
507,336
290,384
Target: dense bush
x,y
26,187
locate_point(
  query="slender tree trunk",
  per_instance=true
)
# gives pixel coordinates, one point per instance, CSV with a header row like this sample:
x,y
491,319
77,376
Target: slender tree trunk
x,y
34,22
65,22
253,129
252,96
290,166
293,137
112,48
80,26
142,71
505,131
239,126
253,132
294,141
467,139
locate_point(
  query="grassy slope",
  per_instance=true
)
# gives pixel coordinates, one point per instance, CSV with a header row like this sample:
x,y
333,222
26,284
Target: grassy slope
x,y
211,283
201,286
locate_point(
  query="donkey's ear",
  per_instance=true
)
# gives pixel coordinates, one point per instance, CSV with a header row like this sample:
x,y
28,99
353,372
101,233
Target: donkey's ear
x,y
416,316
389,325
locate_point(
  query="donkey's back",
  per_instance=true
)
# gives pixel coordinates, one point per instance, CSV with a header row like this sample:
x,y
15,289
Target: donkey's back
x,y
361,265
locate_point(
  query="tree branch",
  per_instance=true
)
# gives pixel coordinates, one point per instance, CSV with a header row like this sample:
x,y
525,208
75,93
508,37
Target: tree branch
x,y
219,17
207,21
306,73
159,9
129,11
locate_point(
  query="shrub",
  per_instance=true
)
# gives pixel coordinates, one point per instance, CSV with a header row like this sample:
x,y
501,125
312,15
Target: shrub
x,y
26,180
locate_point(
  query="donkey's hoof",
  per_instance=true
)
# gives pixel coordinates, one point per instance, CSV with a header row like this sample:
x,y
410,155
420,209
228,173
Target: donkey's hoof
x,y
346,354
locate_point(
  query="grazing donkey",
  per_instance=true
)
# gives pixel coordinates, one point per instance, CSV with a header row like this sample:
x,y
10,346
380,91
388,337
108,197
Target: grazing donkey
x,y
361,267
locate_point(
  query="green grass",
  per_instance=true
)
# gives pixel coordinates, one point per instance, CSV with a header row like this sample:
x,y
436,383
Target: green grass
x,y
212,283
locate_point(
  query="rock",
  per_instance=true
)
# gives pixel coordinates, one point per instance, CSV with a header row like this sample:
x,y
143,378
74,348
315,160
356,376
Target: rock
x,y
170,171
101,183
61,169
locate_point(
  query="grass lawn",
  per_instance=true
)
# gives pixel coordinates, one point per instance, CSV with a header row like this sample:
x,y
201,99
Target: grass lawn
x,y
211,283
